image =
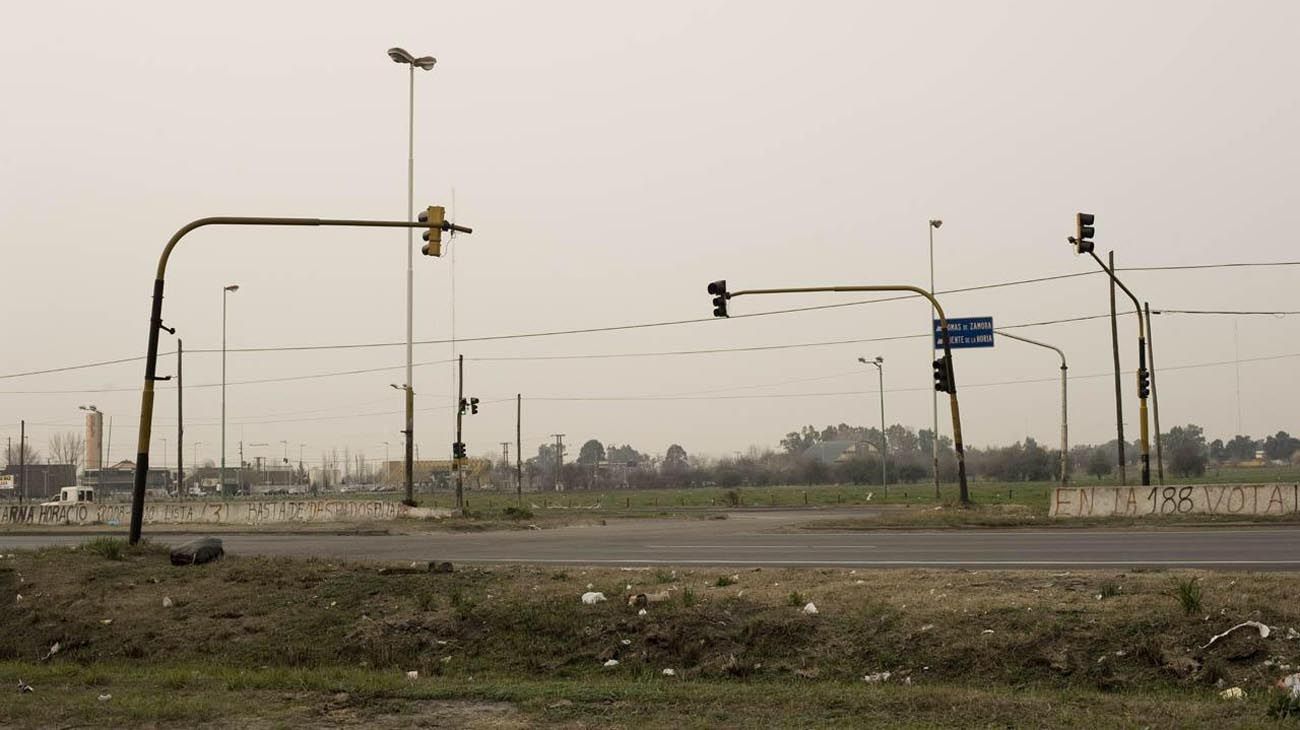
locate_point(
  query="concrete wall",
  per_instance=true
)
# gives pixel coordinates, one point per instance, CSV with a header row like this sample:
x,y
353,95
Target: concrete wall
x,y
1205,499
218,513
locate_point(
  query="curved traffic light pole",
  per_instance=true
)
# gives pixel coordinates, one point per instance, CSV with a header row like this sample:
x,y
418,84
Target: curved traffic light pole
x,y
156,324
1065,410
947,353
1144,433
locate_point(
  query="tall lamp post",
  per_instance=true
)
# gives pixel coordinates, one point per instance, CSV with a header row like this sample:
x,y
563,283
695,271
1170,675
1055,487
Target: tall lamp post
x,y
879,362
934,399
402,56
96,418
225,291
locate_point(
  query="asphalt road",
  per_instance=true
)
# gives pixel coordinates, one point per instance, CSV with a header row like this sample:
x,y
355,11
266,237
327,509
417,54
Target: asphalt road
x,y
774,539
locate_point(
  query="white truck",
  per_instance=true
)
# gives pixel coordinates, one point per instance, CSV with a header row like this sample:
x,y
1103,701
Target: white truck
x,y
72,495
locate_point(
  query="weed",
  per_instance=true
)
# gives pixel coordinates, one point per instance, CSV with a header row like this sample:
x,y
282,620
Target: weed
x,y
1109,589
427,600
664,576
517,513
795,599
1188,593
1283,706
109,548
731,498
724,580
559,575
688,598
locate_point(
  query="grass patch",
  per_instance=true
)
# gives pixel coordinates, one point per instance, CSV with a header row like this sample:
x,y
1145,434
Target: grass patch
x,y
108,548
723,581
1188,592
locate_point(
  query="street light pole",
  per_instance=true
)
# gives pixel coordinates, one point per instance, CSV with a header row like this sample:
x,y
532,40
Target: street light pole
x,y
399,55
224,292
1065,416
1143,431
879,362
934,397
156,325
947,353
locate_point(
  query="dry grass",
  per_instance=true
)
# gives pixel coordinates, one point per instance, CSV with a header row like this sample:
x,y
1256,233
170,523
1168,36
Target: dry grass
x,y
1016,646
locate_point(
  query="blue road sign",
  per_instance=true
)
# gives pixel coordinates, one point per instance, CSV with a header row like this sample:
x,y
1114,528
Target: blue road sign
x,y
965,332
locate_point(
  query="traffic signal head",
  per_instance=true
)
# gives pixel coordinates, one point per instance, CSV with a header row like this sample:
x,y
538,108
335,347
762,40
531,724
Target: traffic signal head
x,y
463,405
473,405
458,450
1083,232
720,296
1144,382
435,217
943,374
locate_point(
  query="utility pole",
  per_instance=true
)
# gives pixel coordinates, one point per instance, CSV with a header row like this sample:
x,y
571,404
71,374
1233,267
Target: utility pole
x,y
559,458
458,449
180,419
1155,400
1119,387
22,459
519,448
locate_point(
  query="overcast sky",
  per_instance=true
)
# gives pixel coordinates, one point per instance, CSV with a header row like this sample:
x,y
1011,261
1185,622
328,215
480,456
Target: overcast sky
x,y
613,159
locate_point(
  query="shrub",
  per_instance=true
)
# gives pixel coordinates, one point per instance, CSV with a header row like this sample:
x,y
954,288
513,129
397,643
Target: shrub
x,y
724,580
1188,593
110,548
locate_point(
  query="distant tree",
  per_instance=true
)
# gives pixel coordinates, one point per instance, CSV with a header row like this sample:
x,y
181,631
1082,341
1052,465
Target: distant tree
x,y
1218,452
67,448
592,452
1241,448
1281,446
1099,463
1187,451
624,454
675,460
13,455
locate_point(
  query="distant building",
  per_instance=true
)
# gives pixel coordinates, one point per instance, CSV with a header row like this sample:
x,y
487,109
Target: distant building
x,y
835,452
120,478
43,480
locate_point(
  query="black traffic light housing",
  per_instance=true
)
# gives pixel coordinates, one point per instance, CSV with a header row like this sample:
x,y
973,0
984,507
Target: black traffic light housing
x,y
943,374
1144,382
458,450
436,217
473,405
720,296
1083,232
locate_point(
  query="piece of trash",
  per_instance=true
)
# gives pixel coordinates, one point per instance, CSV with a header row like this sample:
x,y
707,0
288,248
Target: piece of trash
x,y
54,649
810,609
589,586
669,673
877,677
1290,683
612,663
987,631
927,627
591,598
1264,631
23,687
413,675
1292,633
1233,693
106,621
560,703
333,604
168,602
105,697
626,642
642,612
18,598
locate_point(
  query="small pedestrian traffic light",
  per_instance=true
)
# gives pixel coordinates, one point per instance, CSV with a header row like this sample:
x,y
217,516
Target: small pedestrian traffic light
x,y
1083,232
720,296
1144,383
473,405
435,216
943,374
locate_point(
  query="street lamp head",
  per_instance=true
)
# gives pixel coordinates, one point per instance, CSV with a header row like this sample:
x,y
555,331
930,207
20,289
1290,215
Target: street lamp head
x,y
400,55
395,386
879,359
92,409
862,360
935,222
425,62
232,287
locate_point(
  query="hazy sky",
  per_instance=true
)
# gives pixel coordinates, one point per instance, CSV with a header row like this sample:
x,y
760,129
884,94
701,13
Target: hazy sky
x,y
613,159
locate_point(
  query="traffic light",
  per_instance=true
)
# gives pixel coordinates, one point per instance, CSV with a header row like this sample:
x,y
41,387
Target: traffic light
x,y
463,404
943,374
720,296
458,450
435,216
473,405
1083,232
1144,382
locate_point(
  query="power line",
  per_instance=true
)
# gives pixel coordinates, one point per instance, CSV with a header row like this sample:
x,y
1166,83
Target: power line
x,y
666,323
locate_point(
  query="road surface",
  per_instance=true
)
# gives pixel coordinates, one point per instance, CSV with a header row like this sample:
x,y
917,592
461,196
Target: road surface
x,y
774,539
